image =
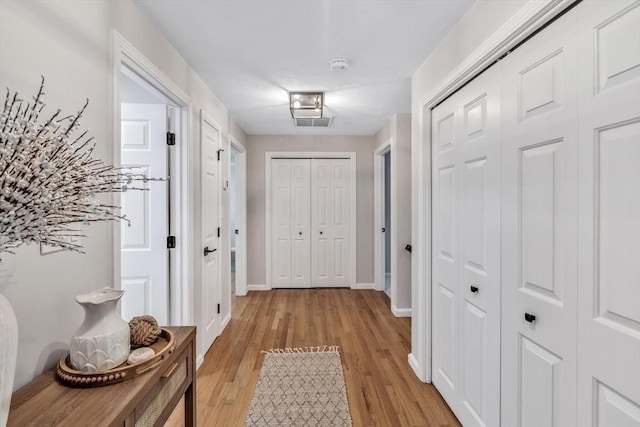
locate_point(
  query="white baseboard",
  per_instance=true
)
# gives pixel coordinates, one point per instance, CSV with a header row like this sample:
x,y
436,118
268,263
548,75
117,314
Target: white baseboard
x,y
225,322
258,288
400,312
365,286
413,362
199,361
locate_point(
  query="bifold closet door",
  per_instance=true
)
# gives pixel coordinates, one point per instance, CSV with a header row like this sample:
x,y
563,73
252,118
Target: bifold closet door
x,y
539,229
609,214
466,250
331,222
290,217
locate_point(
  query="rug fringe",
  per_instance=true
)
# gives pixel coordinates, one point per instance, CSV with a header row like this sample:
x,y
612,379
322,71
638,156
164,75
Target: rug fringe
x,y
322,349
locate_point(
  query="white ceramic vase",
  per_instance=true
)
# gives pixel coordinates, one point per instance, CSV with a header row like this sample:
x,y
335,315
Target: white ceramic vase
x,y
102,341
8,356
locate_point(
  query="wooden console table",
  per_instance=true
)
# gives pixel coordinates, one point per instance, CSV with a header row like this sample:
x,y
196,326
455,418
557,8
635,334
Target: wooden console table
x,y
147,400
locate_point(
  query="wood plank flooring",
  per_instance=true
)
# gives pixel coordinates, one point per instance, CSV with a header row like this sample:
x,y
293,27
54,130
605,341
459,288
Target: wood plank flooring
x,y
381,387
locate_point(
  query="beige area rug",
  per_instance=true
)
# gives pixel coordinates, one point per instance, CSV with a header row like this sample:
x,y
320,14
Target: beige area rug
x,y
300,387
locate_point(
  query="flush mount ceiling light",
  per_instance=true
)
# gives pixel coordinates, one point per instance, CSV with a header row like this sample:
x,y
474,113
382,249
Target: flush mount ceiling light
x,y
306,104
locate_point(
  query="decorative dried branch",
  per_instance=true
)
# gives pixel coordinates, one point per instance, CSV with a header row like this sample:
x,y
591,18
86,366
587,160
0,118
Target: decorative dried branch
x,y
49,179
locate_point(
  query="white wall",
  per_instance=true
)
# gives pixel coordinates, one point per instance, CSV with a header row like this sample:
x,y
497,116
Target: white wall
x,y
398,128
69,43
258,145
479,23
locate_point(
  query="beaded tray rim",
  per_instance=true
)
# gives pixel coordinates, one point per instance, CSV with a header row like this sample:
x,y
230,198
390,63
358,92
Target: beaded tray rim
x,y
74,378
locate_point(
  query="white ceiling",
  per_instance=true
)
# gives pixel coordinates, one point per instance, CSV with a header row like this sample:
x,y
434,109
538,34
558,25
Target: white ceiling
x,y
251,53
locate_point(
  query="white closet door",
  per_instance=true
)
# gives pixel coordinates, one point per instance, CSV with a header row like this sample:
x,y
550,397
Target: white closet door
x,y
609,263
466,295
445,172
281,261
331,222
479,250
300,223
539,229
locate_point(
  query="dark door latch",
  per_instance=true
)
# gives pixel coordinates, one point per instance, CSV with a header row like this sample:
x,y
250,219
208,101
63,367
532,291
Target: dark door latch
x,y
208,251
407,248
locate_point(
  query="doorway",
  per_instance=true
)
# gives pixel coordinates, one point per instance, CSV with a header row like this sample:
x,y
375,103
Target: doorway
x,y
238,218
147,117
150,119
382,218
387,222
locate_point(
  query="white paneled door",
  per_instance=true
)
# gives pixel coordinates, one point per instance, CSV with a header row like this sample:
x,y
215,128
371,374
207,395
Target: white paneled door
x,y
290,223
539,229
466,264
144,254
609,215
211,273
330,222
536,230
310,222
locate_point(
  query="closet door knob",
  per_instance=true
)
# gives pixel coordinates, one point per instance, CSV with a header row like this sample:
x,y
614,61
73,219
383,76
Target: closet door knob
x,y
300,233
531,318
474,289
321,232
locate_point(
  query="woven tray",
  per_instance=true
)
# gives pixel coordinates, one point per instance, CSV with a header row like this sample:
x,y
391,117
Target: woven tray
x,y
164,346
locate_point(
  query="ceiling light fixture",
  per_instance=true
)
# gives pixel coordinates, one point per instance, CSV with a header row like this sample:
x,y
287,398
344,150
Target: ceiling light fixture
x,y
306,104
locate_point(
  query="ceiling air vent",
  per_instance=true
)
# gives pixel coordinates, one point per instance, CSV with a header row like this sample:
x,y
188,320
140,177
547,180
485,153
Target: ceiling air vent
x,y
324,122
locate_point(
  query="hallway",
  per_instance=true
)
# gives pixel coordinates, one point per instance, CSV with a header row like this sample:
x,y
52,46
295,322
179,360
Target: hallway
x,y
382,389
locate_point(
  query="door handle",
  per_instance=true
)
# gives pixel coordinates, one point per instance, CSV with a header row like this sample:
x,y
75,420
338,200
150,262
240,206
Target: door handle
x,y
208,251
300,233
531,318
474,289
384,229
321,232
408,248
237,231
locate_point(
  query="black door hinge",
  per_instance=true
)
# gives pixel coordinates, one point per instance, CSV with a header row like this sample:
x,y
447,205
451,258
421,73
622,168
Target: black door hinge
x,y
218,308
171,242
219,151
218,231
171,138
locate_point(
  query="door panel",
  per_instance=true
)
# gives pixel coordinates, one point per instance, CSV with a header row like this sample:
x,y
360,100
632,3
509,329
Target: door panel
x,y
330,217
539,230
609,214
466,265
340,220
290,194
321,213
210,140
540,385
479,251
281,218
301,222
445,255
144,255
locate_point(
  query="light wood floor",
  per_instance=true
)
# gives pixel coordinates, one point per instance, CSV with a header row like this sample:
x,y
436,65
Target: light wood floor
x,y
381,387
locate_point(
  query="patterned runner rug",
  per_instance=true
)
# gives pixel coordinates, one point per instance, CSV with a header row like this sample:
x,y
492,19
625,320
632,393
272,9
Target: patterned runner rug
x,y
300,387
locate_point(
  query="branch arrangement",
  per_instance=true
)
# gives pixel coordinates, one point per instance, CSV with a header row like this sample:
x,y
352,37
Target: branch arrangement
x,y
49,179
